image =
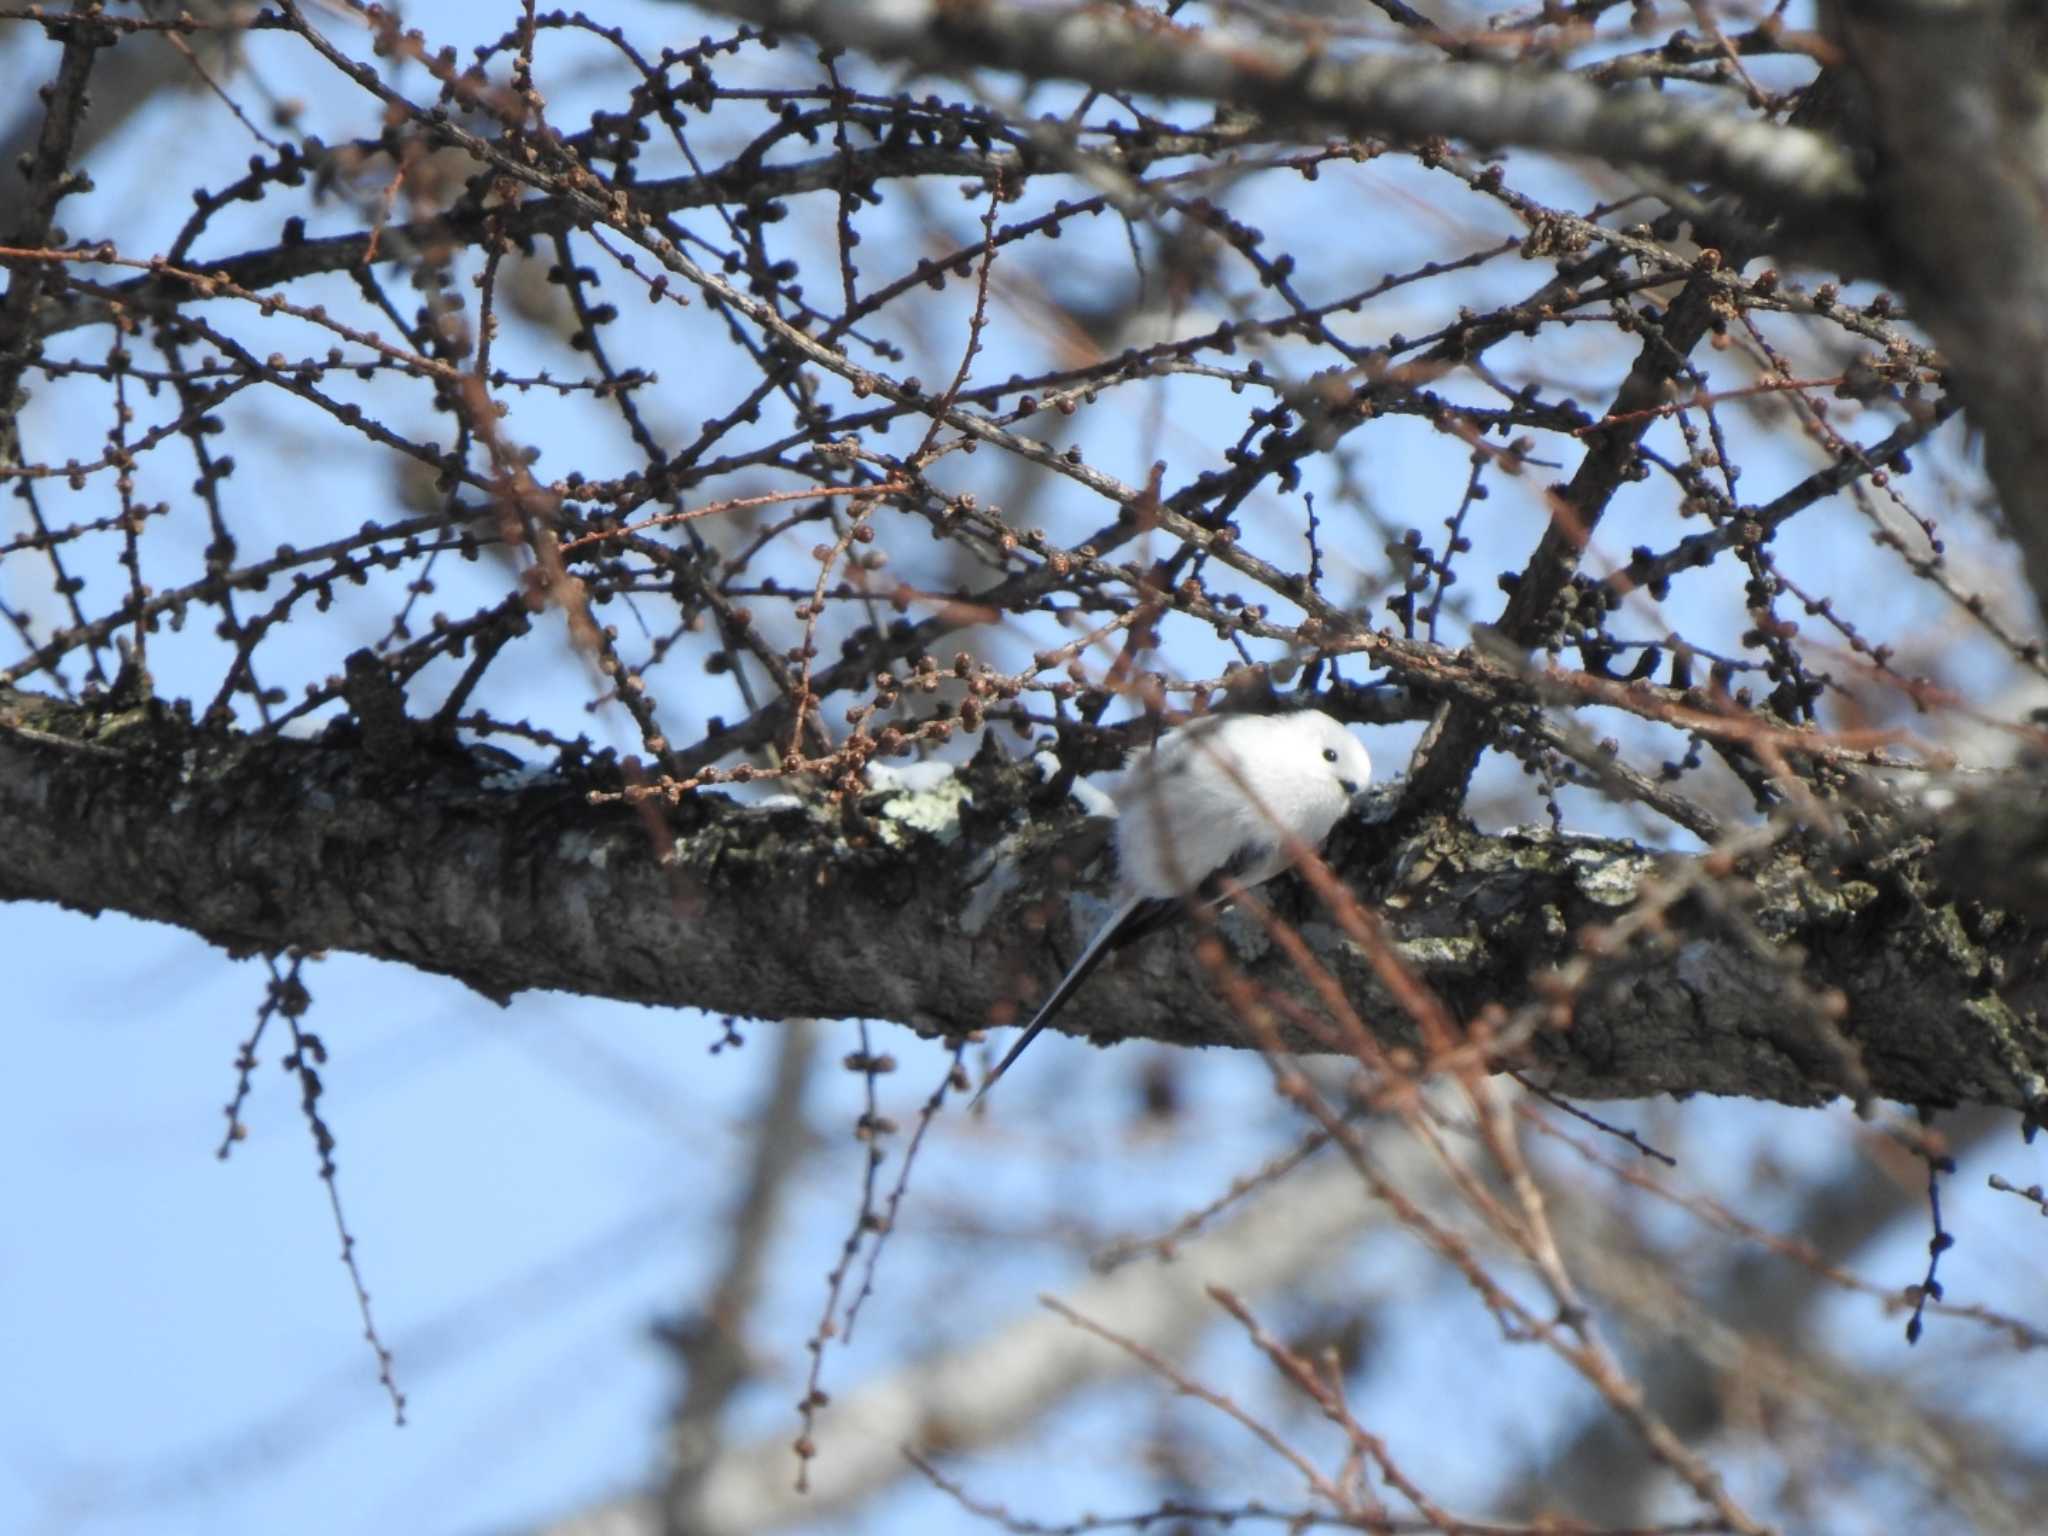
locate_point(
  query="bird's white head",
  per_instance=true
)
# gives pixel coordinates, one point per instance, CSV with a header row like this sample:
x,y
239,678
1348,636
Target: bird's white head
x,y
1341,752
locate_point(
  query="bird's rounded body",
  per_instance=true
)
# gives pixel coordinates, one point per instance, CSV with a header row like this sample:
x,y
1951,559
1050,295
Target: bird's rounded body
x,y
1227,793
1225,796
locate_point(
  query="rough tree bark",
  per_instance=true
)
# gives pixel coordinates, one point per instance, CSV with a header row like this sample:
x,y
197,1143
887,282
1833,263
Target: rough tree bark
x,y
926,908
411,852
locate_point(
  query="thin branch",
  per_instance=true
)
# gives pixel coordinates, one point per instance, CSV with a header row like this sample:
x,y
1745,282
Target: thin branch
x,y
1117,50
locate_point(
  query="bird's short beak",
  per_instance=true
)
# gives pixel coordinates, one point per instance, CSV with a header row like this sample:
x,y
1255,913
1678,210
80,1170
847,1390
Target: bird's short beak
x,y
1350,789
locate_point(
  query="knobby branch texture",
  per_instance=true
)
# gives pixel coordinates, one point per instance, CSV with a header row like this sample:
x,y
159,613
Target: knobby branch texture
x,y
1950,111
1299,80
927,907
518,513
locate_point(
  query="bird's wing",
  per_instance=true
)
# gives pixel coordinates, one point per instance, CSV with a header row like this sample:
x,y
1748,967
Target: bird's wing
x,y
1252,864
1108,937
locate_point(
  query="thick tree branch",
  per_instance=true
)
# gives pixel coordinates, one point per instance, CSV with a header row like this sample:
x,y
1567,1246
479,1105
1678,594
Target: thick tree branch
x,y
1959,109
1798,173
29,220
927,909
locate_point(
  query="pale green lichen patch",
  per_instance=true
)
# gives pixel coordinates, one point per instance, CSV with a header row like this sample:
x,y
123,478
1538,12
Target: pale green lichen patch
x,y
1803,900
1948,934
933,811
1991,1010
2009,1033
1606,880
1444,955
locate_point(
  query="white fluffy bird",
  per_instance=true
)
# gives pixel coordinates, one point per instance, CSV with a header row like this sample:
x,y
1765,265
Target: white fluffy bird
x,y
1223,796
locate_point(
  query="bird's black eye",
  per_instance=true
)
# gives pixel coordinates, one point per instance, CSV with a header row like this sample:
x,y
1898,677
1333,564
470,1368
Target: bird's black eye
x,y
1329,754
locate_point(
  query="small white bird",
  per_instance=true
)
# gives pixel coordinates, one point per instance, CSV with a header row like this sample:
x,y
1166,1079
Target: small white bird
x,y
1219,797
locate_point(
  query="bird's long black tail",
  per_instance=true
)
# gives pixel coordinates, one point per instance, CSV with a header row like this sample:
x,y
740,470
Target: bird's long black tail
x,y
1134,917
